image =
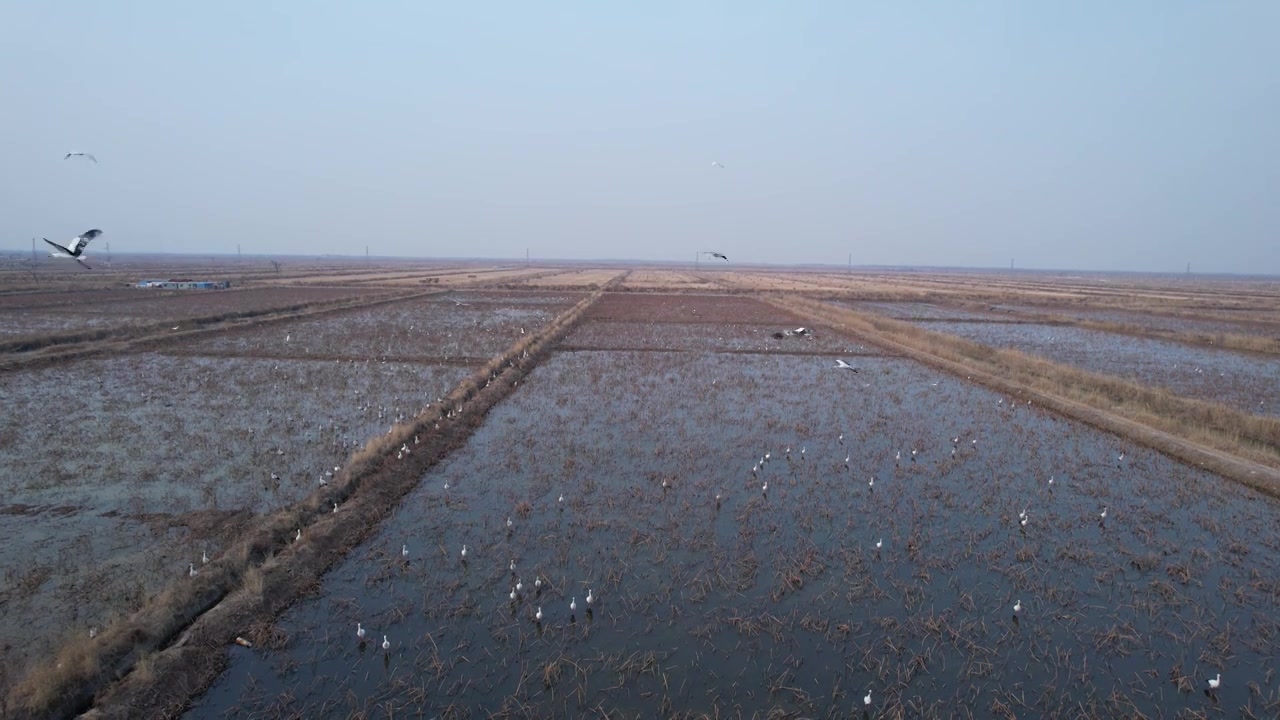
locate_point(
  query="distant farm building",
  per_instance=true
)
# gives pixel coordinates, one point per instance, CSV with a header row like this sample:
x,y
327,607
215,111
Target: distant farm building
x,y
185,284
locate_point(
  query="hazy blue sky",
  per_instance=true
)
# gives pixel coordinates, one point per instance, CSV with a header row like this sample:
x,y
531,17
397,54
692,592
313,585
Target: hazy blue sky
x,y
1091,135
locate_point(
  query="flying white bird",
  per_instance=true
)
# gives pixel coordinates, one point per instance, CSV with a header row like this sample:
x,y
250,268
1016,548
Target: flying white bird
x,y
74,250
842,365
70,155
715,163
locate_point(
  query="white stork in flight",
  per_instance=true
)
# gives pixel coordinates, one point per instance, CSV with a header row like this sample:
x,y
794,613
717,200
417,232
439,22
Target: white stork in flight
x,y
74,250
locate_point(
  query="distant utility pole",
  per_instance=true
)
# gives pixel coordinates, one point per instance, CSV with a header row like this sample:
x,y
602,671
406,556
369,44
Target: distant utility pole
x,y
1188,267
108,254
237,253
850,263
1010,264
695,259
526,257
366,254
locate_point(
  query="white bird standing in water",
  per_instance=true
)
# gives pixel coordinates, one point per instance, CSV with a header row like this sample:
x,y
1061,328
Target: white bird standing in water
x,y
359,631
404,551
590,598
191,570
386,644
538,615
464,552
1017,607
298,537
573,604
1103,516
879,543
204,558
867,700
1214,682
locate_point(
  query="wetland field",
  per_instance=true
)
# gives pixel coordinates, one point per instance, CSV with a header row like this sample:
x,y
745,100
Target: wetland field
x,y
677,506
879,551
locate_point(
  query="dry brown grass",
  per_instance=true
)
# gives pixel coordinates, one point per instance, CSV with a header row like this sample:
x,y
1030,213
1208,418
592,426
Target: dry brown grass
x,y
1240,435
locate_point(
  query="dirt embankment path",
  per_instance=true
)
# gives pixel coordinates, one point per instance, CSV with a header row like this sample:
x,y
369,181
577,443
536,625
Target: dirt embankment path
x,y
1223,461
153,663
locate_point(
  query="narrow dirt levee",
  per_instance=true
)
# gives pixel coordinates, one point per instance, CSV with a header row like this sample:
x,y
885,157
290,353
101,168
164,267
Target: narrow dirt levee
x,y
152,663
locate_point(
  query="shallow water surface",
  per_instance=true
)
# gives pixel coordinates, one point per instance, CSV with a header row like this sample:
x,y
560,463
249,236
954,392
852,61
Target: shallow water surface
x,y
779,600
1246,382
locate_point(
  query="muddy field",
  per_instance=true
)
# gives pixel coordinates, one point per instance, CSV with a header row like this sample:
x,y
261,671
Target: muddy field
x,y
924,312
30,313
453,328
117,473
688,308
1154,321
760,534
647,280
1249,383
708,337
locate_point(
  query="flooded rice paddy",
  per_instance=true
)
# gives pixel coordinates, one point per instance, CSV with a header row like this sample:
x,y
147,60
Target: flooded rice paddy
x,y
37,313
437,329
709,337
901,581
116,473
918,311
1246,382
1154,321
